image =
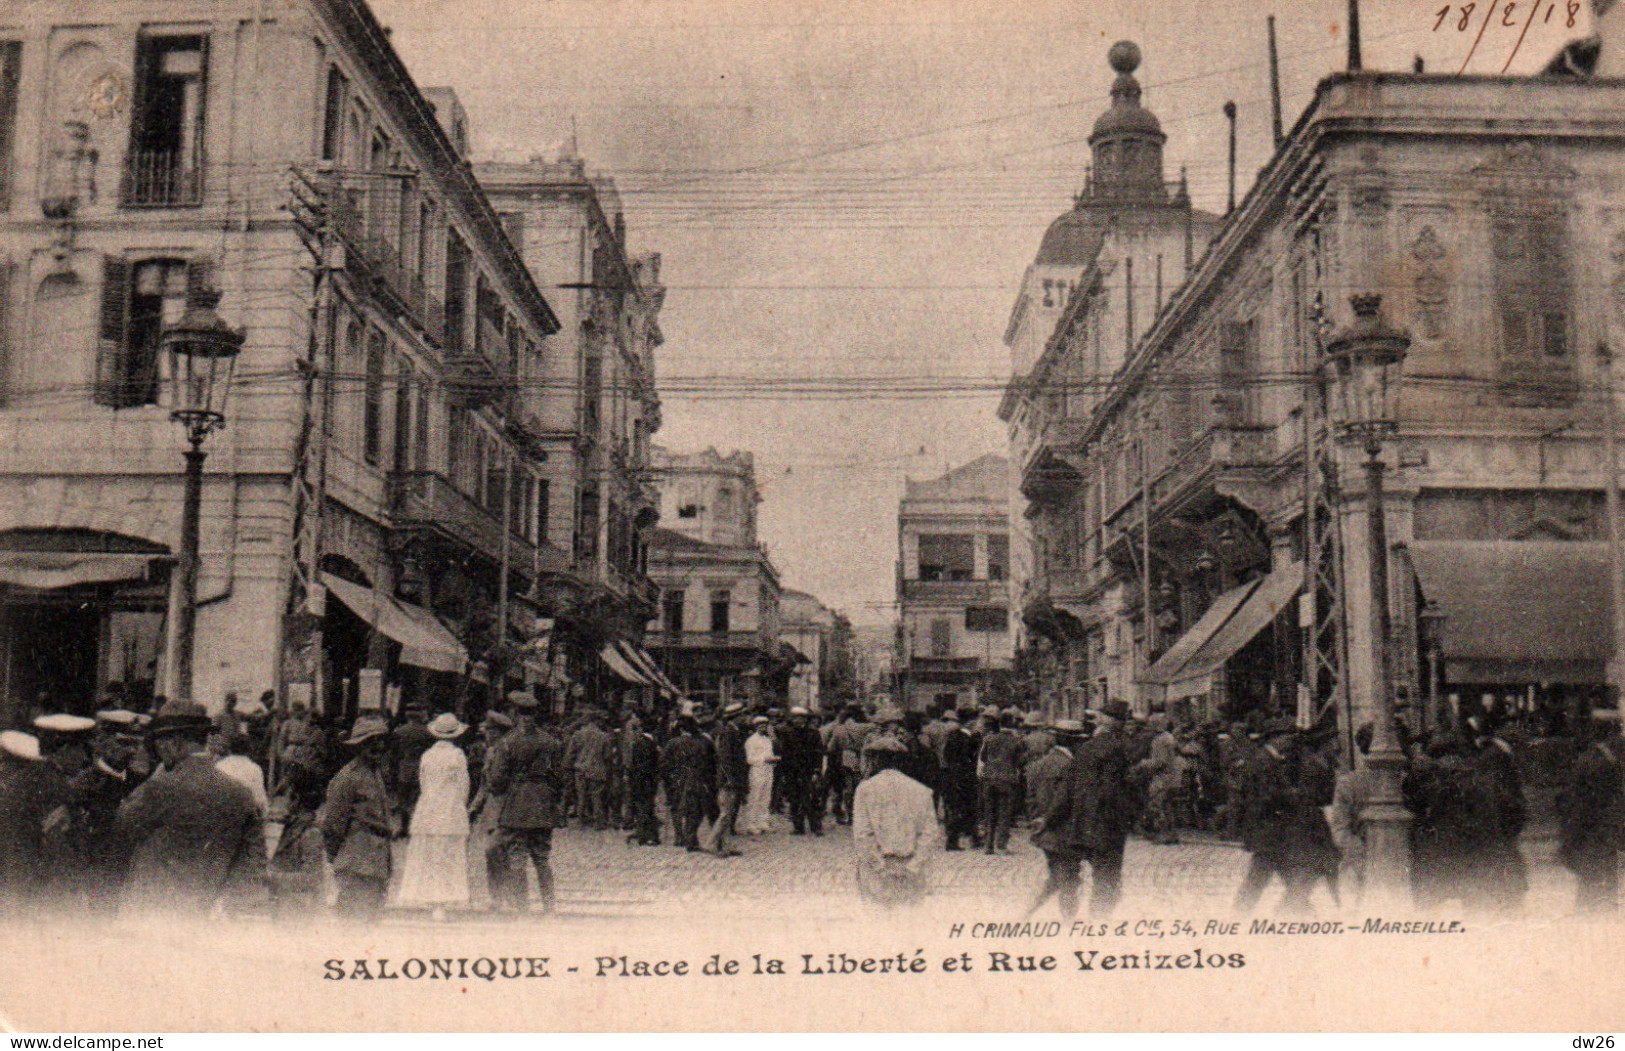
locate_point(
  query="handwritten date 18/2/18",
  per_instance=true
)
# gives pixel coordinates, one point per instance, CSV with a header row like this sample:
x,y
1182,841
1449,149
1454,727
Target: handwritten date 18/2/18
x,y
1479,16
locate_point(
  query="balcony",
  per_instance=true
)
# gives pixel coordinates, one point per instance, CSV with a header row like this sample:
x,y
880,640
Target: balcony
x,y
703,640
427,502
360,215
162,179
956,592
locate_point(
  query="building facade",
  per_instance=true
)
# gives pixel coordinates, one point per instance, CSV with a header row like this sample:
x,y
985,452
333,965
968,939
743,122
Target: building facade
x,y
1102,274
1224,519
597,409
808,627
374,495
953,588
717,632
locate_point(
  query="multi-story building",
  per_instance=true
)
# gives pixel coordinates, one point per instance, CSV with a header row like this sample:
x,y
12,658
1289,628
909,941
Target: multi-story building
x,y
1230,523
1102,273
597,408
953,587
375,477
717,632
808,626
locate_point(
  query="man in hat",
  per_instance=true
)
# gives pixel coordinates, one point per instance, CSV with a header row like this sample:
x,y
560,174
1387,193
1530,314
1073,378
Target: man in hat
x,y
1000,761
22,819
801,753
1591,818
589,755
1282,824
484,808
846,743
1089,821
894,828
686,764
1046,787
641,757
196,834
959,782
94,796
410,740
528,773
360,823
733,778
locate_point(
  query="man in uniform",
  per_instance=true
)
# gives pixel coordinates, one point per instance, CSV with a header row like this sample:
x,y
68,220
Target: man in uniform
x,y
685,765
801,753
359,823
733,778
196,833
1282,823
528,773
959,783
589,754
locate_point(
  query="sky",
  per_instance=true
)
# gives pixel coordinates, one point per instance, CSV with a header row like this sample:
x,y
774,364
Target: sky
x,y
845,194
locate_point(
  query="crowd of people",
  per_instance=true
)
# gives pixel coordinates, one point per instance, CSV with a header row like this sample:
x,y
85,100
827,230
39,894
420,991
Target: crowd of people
x,y
271,806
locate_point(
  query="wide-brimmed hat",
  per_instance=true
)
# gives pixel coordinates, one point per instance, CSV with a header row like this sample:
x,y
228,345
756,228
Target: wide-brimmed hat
x,y
447,726
179,717
119,720
1067,727
18,744
884,743
1117,709
733,709
889,714
498,719
760,720
366,728
798,710
950,716
62,725
524,700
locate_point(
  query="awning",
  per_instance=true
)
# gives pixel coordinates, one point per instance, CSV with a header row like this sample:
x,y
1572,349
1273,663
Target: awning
x,y
1167,667
645,664
621,666
63,569
1519,611
1273,594
425,642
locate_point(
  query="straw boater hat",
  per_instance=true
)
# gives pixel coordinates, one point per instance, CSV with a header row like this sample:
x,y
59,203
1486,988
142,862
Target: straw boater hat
x,y
64,724
733,709
20,745
499,720
799,710
447,726
1067,728
366,728
524,700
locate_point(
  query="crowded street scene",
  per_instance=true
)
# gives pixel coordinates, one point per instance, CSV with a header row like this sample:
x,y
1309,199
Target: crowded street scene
x,y
451,477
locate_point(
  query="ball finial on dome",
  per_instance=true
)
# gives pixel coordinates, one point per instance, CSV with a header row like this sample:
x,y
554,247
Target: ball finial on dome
x,y
1124,57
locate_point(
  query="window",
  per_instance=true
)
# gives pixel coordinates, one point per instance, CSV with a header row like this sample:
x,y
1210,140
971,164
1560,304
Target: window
x,y
592,373
587,526
420,428
671,611
998,556
1533,295
338,98
457,260
403,418
137,302
942,635
11,55
689,511
372,405
721,601
987,618
541,510
164,166
947,556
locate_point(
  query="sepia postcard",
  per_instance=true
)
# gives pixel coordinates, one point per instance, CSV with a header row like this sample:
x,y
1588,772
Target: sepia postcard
x,y
811,515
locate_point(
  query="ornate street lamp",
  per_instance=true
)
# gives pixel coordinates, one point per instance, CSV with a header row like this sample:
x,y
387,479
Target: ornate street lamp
x,y
202,352
1366,357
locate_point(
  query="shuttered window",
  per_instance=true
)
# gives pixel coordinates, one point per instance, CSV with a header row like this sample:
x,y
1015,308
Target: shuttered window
x,y
138,300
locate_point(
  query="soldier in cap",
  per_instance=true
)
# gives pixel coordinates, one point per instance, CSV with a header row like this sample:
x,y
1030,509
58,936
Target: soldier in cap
x,y
360,823
196,834
1591,817
95,795
489,872
894,829
528,773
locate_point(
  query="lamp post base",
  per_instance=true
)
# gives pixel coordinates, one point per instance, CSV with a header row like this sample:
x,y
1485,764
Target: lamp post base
x,y
1387,831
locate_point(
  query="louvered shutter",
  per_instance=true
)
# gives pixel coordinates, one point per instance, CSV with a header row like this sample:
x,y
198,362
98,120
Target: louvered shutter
x,y
113,334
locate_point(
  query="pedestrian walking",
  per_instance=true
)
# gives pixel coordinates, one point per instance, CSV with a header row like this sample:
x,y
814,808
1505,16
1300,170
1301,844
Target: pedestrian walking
x,y
528,772
1283,825
733,780
756,817
801,757
299,875
410,740
487,861
640,756
435,873
197,835
894,829
1591,818
359,823
1163,771
1000,762
685,764
959,782
589,756
1090,821
22,820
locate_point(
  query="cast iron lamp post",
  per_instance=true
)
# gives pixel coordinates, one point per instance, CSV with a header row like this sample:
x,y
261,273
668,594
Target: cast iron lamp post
x,y
202,352
1367,356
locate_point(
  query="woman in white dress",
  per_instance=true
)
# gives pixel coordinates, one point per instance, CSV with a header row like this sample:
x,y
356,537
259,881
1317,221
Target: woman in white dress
x,y
436,869
759,756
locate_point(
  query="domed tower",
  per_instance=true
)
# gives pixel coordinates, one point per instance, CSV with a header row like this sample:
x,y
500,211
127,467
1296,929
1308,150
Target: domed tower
x,y
1127,140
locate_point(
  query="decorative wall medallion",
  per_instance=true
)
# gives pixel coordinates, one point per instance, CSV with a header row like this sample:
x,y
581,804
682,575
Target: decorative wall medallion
x,y
106,96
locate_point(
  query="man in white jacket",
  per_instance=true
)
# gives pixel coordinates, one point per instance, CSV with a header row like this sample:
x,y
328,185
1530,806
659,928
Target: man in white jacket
x,y
894,829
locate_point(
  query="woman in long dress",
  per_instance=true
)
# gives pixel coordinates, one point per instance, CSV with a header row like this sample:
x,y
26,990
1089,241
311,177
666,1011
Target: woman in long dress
x,y
436,869
759,756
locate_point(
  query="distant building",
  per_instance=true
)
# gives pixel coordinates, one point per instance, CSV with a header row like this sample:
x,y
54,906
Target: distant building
x,y
953,572
716,632
807,625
